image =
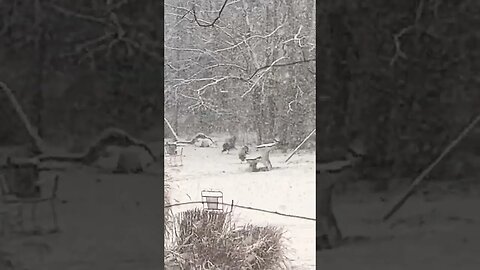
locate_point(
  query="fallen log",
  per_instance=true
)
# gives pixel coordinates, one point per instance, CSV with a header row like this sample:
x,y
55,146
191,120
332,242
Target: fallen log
x,y
109,137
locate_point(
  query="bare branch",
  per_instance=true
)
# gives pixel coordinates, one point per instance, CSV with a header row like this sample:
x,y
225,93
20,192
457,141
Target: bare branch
x,y
118,5
214,20
142,49
249,38
218,65
398,46
296,38
281,65
261,76
396,38
185,49
77,15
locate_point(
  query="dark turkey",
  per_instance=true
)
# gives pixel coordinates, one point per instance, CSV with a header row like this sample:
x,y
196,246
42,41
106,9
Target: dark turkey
x,y
242,155
229,144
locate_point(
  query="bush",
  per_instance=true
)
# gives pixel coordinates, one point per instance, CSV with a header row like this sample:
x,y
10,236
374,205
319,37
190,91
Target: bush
x,y
209,240
167,224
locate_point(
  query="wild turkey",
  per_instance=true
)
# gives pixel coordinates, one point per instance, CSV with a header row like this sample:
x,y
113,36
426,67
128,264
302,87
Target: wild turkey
x,y
242,155
328,232
229,144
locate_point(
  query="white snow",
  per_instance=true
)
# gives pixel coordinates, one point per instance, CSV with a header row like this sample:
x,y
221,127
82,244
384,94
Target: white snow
x,y
288,188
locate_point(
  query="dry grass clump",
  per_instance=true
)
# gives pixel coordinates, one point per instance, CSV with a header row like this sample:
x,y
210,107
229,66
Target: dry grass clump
x,y
168,217
209,240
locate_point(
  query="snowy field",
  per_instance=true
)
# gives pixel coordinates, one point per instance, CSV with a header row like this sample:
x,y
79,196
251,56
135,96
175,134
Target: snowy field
x,y
108,222
111,221
437,228
288,188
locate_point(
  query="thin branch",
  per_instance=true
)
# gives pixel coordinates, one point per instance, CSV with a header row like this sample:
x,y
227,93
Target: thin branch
x,y
142,49
216,81
396,38
398,46
77,15
296,38
281,65
214,20
247,39
186,49
218,65
261,76
117,5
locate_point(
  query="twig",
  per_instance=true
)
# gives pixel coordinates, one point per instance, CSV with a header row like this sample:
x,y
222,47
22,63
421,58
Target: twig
x,y
248,38
424,173
398,46
281,65
396,38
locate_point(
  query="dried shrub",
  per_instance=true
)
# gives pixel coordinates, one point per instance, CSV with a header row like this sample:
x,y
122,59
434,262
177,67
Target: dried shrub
x,y
168,216
209,240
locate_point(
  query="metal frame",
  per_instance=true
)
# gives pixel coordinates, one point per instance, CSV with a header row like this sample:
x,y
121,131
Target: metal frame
x,y
10,196
171,151
212,200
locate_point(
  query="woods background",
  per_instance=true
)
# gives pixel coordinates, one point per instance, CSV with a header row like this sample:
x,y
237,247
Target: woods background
x,y
253,71
80,67
403,74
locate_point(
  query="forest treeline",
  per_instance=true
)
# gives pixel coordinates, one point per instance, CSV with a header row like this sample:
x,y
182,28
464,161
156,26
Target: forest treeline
x,y
79,67
404,75
253,71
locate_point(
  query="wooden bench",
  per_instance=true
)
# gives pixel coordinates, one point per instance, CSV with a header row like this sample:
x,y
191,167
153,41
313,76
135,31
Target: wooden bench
x,y
263,157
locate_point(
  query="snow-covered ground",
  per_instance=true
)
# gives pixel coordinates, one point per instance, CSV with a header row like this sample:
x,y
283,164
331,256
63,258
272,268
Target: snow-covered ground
x,y
115,223
109,222
289,188
437,228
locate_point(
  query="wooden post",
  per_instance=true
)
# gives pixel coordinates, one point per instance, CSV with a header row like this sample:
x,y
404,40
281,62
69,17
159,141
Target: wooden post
x,y
26,122
168,124
424,173
300,145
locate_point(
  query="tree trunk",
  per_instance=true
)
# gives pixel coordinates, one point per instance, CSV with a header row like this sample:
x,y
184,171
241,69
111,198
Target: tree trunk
x,y
38,86
257,110
272,114
341,39
328,232
40,48
177,110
